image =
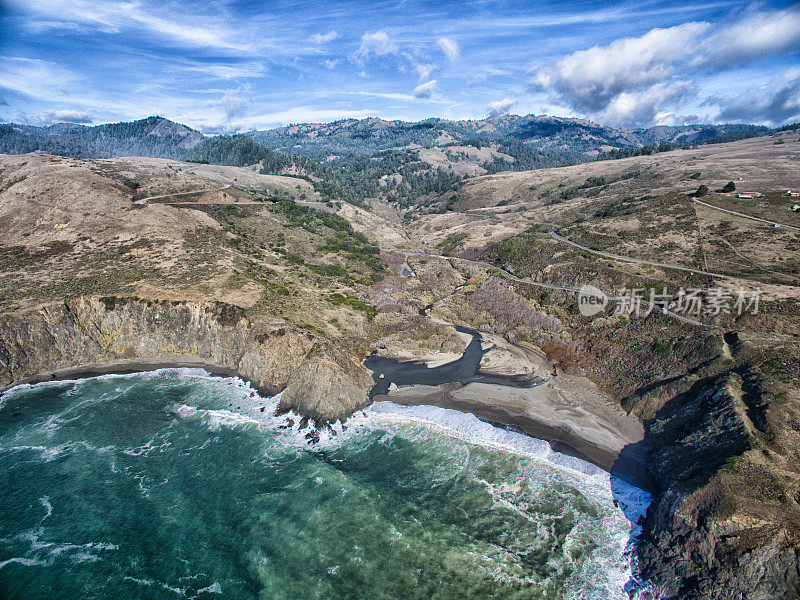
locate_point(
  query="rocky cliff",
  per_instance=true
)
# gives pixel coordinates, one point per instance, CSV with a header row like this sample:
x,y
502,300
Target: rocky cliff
x,y
723,524
317,379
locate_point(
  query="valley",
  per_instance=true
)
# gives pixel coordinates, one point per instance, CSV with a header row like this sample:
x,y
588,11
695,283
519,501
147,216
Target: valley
x,y
287,281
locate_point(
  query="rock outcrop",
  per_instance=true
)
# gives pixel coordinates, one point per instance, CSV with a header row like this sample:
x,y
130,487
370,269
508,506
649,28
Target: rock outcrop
x,y
319,380
717,528
323,388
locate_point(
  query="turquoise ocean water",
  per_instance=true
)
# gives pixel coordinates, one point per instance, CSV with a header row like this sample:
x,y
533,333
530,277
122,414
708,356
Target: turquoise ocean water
x,y
175,484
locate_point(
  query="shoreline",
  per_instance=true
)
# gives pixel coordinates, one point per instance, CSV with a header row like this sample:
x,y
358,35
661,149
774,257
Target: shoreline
x,y
125,367
570,437
521,390
629,464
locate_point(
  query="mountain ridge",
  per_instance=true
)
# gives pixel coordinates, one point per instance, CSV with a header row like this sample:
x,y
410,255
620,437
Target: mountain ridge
x,y
320,141
543,132
153,136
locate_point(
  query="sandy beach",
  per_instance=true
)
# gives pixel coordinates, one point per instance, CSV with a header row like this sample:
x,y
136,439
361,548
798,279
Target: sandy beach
x,y
567,411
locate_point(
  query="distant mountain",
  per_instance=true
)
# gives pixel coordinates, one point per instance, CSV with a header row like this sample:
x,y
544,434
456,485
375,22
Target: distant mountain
x,y
352,160
153,136
574,140
242,151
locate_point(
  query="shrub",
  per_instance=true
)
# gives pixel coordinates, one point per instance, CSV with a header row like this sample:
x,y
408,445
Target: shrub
x,y
329,270
354,303
509,309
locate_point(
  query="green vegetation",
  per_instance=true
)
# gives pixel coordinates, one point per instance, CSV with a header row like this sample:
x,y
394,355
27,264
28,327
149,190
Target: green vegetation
x,y
451,242
240,151
330,270
594,185
344,240
354,303
728,188
701,191
527,157
102,141
349,179
616,209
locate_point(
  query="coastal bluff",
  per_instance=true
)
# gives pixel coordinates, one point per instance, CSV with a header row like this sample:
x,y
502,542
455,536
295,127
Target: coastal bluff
x,y
723,524
93,335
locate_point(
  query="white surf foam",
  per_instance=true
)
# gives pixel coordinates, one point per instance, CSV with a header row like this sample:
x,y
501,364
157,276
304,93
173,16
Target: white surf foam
x,y
163,373
592,481
248,408
471,428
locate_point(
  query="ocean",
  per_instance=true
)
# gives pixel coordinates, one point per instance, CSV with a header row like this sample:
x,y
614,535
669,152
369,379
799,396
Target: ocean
x,y
177,484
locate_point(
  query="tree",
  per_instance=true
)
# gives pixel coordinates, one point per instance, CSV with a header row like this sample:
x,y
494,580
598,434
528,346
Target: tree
x,y
729,187
701,191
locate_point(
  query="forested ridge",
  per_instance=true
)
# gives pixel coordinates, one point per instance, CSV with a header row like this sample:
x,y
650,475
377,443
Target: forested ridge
x,y
354,160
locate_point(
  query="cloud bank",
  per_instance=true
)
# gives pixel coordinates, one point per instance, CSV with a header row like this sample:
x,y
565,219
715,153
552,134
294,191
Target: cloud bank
x,y
632,80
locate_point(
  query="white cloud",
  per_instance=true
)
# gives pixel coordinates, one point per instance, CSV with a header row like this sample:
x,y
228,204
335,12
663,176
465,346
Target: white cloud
x,y
374,44
776,103
631,81
485,73
757,35
591,80
478,78
389,96
425,90
424,71
671,119
230,71
35,78
63,116
324,38
449,47
236,102
632,109
114,16
330,63
501,107
297,114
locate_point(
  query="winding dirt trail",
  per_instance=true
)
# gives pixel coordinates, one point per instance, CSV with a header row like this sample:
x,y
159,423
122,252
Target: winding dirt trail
x,y
146,200
744,216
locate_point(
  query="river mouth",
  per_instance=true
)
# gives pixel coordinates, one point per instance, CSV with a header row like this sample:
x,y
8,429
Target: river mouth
x,y
464,370
178,484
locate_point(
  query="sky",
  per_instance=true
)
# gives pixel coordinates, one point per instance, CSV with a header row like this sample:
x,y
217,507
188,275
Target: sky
x,y
236,65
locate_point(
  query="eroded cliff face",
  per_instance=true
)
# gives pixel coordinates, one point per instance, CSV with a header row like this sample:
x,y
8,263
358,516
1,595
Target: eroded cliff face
x,y
317,379
723,524
725,520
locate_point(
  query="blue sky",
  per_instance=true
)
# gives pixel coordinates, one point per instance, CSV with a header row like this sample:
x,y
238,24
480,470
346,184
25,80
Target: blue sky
x,y
238,65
